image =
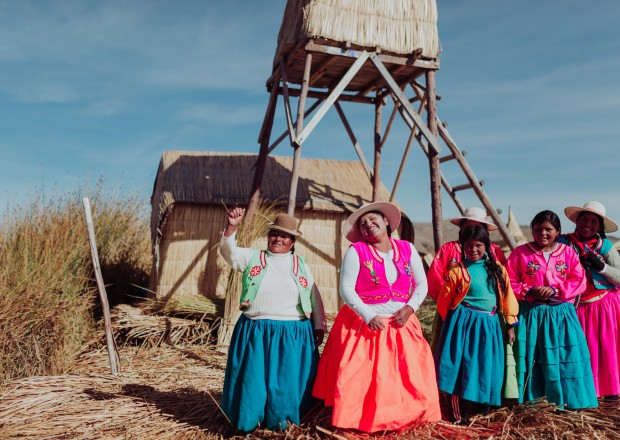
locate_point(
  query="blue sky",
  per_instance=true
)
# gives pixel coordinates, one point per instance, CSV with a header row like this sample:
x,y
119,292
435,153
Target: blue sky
x,y
100,88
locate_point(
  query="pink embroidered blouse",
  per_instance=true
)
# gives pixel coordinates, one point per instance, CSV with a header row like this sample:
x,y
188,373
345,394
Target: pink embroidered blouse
x,y
527,267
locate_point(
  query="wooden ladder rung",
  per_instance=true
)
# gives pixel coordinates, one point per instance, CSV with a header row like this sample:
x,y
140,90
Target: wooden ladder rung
x,y
447,158
465,186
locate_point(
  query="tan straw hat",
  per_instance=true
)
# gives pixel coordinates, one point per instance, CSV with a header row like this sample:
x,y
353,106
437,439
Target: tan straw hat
x,y
572,212
350,228
285,223
475,214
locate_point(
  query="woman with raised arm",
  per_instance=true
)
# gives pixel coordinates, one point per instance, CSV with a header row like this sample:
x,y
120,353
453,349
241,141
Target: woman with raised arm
x,y
273,352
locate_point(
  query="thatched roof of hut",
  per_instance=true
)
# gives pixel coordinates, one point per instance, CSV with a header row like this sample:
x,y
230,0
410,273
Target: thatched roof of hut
x,y
225,179
396,26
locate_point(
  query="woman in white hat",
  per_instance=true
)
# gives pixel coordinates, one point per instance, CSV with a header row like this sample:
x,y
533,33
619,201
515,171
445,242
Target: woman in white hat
x,y
598,309
377,370
273,352
449,255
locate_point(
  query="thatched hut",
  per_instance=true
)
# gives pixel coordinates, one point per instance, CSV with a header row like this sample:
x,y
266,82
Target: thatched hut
x,y
193,191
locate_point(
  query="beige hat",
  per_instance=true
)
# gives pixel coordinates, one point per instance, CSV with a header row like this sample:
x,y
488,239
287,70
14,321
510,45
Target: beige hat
x,y
475,214
572,212
285,223
352,231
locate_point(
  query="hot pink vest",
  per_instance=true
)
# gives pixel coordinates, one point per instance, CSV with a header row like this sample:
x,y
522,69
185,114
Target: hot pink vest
x,y
372,285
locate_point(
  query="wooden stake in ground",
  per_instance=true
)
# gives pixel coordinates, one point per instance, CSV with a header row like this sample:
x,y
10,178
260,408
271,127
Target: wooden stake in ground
x,y
115,363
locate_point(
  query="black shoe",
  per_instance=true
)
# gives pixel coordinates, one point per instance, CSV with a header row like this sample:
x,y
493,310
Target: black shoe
x,y
462,421
612,398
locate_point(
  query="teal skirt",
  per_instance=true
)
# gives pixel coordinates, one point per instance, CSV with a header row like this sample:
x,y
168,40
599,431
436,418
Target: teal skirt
x,y
269,373
470,356
552,356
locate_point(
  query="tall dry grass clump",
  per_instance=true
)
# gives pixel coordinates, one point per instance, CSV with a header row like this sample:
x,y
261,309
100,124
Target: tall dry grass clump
x,y
48,295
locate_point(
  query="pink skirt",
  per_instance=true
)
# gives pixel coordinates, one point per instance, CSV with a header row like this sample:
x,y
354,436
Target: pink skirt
x,y
377,380
600,321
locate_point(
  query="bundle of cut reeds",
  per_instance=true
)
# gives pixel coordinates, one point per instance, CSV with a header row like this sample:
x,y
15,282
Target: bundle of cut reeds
x,y
132,326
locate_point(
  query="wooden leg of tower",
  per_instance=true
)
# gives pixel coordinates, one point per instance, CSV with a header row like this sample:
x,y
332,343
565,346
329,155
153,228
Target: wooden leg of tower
x,y
265,135
433,159
412,135
356,145
376,174
301,108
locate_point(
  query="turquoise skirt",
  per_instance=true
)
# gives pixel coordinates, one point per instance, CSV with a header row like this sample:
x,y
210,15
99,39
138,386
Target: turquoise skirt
x,y
470,356
552,354
269,373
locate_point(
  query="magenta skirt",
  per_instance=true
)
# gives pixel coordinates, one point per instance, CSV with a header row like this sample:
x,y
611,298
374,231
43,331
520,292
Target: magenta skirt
x,y
600,321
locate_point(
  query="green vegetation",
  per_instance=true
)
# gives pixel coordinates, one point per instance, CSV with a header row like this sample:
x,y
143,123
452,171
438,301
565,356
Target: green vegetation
x,y
48,295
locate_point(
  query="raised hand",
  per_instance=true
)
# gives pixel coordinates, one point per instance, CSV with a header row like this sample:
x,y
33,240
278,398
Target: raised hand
x,y
235,216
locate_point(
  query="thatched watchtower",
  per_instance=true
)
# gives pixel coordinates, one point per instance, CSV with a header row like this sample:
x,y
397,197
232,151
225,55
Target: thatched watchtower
x,y
365,52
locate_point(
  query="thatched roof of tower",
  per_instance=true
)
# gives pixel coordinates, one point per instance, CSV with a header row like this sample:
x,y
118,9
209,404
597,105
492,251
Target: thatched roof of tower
x,y
396,26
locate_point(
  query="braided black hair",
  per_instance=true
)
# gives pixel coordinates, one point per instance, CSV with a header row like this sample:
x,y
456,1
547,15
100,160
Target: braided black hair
x,y
496,278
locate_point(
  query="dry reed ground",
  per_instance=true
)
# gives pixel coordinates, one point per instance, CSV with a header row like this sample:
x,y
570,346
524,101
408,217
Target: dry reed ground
x,y
172,392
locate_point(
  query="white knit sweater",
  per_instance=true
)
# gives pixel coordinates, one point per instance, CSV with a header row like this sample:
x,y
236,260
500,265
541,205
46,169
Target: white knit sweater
x,y
277,297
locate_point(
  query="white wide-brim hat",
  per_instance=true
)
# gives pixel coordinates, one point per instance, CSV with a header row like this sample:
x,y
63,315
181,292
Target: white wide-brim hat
x,y
350,228
475,214
572,212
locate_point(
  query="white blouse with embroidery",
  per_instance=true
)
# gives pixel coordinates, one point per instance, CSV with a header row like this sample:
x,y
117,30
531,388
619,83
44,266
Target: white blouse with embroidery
x,y
348,279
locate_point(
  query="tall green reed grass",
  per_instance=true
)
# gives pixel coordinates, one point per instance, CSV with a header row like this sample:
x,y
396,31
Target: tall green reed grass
x,y
48,295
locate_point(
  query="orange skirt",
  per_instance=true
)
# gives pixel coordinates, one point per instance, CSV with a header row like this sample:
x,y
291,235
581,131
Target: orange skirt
x,y
377,380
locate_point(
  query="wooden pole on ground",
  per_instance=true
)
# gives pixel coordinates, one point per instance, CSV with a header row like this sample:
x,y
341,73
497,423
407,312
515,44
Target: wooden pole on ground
x,y
433,160
115,363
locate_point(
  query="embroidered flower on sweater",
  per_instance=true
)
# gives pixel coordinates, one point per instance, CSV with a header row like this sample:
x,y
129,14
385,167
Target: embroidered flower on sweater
x,y
255,271
561,267
532,267
453,263
408,269
373,274
303,282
